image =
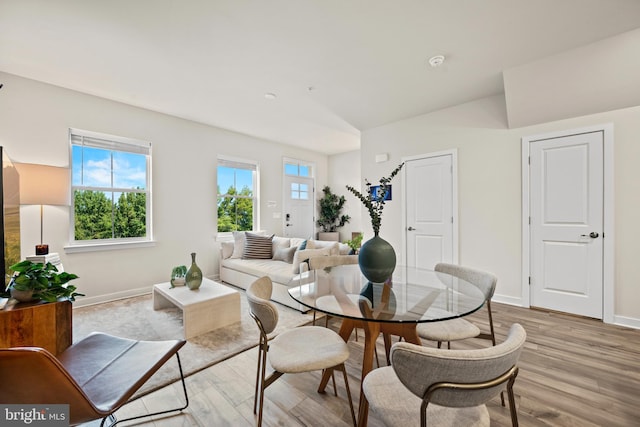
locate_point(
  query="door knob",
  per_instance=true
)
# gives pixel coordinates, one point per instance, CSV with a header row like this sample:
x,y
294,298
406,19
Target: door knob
x,y
593,235
410,228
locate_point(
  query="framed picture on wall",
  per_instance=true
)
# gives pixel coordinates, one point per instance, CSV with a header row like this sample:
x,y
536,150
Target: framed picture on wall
x,y
375,192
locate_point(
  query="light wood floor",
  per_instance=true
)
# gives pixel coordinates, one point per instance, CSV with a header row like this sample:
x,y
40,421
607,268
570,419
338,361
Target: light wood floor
x,y
573,372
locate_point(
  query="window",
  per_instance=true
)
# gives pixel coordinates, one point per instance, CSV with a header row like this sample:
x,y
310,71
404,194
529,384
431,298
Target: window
x,y
297,169
237,195
298,190
111,187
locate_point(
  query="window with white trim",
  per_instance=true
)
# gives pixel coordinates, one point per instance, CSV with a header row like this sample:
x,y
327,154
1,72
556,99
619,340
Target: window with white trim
x,y
111,188
237,195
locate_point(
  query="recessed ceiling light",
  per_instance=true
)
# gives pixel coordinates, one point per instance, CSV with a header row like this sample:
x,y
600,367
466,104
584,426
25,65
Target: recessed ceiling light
x,y
436,61
270,95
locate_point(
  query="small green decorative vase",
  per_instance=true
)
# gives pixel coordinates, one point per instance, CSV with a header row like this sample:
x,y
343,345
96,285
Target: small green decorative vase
x,y
194,274
377,259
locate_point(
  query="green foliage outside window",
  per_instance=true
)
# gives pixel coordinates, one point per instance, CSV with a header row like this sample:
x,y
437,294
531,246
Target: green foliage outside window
x,y
235,210
96,218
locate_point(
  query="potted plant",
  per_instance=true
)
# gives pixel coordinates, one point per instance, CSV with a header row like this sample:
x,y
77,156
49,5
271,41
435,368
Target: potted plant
x,y
330,218
37,281
354,243
377,258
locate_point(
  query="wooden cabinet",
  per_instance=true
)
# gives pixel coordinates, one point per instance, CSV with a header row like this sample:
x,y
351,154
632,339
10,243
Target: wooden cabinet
x,y
37,324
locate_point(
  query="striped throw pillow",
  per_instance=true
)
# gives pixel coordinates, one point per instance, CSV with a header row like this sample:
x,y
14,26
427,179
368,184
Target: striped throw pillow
x,y
257,247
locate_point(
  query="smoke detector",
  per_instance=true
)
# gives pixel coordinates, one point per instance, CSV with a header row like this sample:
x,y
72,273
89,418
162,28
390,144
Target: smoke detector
x,y
436,61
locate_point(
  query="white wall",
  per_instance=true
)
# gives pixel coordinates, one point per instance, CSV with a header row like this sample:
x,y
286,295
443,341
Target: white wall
x,y
344,169
34,122
489,173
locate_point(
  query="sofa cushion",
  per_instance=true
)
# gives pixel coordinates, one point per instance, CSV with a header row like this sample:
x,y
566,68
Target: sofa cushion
x,y
257,246
284,254
278,271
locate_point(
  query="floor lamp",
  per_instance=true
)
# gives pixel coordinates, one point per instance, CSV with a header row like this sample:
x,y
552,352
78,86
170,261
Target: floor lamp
x,y
43,185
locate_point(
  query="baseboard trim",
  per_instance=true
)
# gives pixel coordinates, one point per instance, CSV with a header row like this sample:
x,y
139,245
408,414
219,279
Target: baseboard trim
x,y
629,322
86,301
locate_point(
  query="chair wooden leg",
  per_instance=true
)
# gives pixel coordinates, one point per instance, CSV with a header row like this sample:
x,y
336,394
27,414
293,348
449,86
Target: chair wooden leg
x,y
346,386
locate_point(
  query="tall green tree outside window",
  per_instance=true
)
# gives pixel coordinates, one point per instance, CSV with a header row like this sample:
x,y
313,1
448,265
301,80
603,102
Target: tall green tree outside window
x,y
110,183
236,201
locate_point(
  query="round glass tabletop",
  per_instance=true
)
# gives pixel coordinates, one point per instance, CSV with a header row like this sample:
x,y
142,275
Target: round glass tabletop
x,y
412,295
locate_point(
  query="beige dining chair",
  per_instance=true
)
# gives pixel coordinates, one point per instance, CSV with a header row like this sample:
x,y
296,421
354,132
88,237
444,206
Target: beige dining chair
x,y
298,350
321,262
459,328
433,386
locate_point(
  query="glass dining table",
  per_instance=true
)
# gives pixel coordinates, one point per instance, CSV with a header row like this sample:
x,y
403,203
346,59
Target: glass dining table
x,y
395,307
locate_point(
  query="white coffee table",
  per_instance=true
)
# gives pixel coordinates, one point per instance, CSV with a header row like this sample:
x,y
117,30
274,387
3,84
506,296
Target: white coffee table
x,y
209,307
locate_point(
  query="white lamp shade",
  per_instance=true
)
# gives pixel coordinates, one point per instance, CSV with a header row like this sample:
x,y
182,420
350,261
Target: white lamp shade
x,y
43,185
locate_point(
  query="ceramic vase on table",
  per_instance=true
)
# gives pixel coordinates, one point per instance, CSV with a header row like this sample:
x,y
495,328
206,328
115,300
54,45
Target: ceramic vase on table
x,y
194,274
377,259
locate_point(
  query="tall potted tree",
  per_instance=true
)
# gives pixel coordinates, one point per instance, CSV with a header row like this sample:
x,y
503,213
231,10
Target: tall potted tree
x,y
330,217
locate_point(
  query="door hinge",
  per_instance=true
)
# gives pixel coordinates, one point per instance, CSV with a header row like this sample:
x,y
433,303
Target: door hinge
x,y
451,220
529,280
529,220
529,160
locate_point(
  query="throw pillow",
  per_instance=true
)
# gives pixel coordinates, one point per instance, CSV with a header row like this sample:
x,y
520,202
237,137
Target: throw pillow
x,y
334,247
284,254
280,242
257,247
303,255
238,244
303,246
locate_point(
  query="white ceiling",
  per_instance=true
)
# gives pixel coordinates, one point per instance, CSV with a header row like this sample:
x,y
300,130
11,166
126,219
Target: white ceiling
x,y
337,66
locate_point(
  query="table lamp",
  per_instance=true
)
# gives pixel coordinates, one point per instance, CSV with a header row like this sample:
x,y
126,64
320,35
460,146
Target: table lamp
x,y
43,185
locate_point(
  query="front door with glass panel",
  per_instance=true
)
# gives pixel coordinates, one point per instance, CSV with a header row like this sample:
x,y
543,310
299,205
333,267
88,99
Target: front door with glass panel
x,y
298,207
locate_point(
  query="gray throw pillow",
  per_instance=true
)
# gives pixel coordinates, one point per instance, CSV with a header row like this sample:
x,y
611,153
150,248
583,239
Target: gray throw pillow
x,y
285,254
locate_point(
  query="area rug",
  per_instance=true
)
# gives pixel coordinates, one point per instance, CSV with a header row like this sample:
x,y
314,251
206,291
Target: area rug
x,y
135,318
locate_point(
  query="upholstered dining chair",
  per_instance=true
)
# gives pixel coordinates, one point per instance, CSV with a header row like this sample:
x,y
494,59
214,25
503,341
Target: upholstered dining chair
x,y
95,377
320,262
444,387
459,328
298,350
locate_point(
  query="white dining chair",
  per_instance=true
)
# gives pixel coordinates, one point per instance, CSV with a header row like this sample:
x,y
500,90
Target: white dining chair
x,y
302,349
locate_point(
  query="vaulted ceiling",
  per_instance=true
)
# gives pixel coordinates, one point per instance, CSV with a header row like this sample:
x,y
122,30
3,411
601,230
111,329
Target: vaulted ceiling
x,y
332,68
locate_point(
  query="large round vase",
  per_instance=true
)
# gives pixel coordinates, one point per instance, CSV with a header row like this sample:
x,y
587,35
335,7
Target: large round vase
x,y
377,259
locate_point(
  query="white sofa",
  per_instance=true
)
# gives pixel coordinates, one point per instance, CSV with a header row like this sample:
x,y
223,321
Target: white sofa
x,y
239,268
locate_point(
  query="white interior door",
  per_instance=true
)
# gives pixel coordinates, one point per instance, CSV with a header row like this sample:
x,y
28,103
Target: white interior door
x,y
566,214
299,207
429,213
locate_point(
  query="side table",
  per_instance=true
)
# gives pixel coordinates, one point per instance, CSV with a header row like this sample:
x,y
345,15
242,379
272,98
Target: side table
x,y
37,324
209,307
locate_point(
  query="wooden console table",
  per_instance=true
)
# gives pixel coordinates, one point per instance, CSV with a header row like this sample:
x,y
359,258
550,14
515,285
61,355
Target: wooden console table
x,y
37,324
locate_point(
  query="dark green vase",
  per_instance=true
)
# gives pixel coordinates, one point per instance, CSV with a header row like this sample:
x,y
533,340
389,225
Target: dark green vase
x,y
377,259
194,274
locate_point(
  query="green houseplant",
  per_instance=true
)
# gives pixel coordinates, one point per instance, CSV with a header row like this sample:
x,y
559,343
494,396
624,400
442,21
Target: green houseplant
x,y
330,217
42,281
355,243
